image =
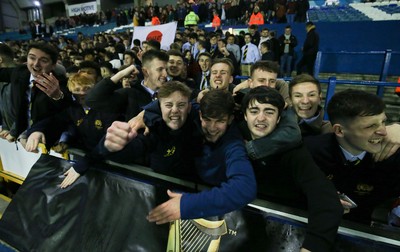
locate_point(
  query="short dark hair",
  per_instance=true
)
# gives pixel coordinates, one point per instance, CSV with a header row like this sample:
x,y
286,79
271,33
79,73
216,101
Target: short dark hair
x,y
175,46
265,65
72,69
88,52
46,48
170,87
202,43
193,35
130,53
272,34
212,35
148,56
175,53
136,42
90,64
216,104
266,44
253,26
133,55
223,41
207,54
301,79
348,104
154,44
264,95
107,65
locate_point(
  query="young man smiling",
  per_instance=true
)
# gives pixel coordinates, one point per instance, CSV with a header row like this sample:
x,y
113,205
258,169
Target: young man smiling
x,y
167,145
223,164
306,96
265,73
291,177
107,95
203,78
221,76
346,155
36,91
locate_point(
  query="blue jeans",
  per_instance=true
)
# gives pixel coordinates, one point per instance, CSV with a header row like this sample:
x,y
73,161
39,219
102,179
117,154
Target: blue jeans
x,y
286,64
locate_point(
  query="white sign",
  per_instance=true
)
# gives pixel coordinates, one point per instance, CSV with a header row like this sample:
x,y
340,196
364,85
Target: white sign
x,y
165,34
16,159
76,9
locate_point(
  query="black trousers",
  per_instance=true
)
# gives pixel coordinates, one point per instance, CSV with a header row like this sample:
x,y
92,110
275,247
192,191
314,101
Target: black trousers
x,y
307,62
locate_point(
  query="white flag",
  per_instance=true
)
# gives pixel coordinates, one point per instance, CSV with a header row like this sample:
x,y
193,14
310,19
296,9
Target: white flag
x,y
165,34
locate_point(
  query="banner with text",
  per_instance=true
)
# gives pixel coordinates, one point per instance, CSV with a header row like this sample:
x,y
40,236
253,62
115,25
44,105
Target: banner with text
x,y
76,9
165,34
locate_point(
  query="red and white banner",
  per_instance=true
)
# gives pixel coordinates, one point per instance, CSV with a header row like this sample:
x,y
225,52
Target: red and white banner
x,y
165,34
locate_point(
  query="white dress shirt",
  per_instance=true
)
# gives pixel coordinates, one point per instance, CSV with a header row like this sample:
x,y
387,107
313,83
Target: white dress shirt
x,y
253,54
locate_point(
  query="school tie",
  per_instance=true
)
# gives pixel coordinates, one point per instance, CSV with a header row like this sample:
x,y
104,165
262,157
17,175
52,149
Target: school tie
x,y
354,162
29,96
154,96
203,82
212,50
246,48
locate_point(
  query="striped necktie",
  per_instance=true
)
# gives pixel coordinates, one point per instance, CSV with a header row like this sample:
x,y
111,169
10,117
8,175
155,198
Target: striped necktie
x,y
203,82
29,96
212,50
246,48
353,163
154,96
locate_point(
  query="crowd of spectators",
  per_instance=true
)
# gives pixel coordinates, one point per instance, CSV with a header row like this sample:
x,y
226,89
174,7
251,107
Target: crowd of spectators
x,y
231,12
110,78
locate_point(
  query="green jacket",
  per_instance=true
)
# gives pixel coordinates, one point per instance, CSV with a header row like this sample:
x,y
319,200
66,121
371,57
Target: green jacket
x,y
191,19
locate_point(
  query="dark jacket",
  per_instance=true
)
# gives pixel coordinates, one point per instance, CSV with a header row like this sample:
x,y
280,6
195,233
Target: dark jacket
x,y
198,79
83,130
166,151
6,108
225,166
292,44
316,127
110,97
42,105
283,138
292,178
368,183
311,44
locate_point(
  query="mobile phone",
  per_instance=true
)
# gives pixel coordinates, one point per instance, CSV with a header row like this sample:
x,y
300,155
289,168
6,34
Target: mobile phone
x,y
346,198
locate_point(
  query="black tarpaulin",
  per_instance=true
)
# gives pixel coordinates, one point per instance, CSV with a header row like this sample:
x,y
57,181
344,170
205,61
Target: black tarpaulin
x,y
105,210
100,212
